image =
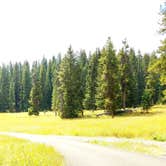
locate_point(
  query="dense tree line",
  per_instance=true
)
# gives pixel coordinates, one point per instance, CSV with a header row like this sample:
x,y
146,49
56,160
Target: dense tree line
x,y
105,79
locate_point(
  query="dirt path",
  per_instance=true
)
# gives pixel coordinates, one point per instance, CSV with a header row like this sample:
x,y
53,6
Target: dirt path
x,y
78,153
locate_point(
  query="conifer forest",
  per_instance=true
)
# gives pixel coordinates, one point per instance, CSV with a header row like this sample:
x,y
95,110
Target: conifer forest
x,y
106,79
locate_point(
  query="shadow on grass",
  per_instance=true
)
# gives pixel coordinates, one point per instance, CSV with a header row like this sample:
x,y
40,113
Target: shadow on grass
x,y
132,113
150,113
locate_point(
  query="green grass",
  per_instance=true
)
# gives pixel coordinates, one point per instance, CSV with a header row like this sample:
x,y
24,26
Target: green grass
x,y
18,152
153,150
135,125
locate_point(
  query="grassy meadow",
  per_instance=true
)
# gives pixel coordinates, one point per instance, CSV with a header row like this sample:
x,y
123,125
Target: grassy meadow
x,y
135,125
19,152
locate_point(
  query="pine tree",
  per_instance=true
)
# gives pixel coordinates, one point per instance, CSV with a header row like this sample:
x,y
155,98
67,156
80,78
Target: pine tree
x,y
17,85
82,61
11,90
91,81
4,88
48,87
124,71
55,84
140,78
153,80
35,94
26,85
132,86
69,86
42,79
108,84
162,60
11,97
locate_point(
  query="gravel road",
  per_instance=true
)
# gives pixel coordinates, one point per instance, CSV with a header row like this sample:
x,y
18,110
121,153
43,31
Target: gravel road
x,y
78,153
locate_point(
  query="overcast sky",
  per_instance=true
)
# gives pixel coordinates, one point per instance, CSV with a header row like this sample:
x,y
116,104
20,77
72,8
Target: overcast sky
x,y
30,29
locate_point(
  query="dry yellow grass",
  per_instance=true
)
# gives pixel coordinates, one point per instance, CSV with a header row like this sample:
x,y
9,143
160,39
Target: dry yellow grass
x,y
135,125
18,152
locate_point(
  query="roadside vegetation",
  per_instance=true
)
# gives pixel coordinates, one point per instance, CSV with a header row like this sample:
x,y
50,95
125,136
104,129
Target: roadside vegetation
x,y
153,150
19,152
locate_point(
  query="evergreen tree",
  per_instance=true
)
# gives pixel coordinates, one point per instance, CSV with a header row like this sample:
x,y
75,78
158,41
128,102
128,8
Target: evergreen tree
x,y
140,77
82,61
160,66
26,85
69,86
91,81
162,51
48,87
161,63
55,84
4,88
11,90
11,97
124,71
132,86
42,79
99,97
35,94
153,80
108,78
17,85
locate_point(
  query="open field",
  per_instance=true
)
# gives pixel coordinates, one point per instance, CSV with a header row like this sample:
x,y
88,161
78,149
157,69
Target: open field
x,y
135,125
21,152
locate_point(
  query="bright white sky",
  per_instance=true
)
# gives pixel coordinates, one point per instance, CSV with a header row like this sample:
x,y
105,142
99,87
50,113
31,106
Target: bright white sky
x,y
30,29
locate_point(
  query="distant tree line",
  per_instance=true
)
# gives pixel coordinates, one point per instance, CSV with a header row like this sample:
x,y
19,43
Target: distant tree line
x,y
105,79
